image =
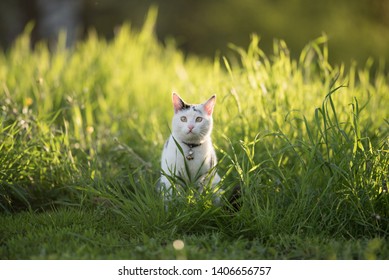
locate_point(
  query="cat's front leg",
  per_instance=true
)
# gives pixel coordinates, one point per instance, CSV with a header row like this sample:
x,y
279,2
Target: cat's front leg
x,y
217,191
165,188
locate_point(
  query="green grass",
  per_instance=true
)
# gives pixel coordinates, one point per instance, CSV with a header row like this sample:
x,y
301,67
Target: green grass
x,y
86,234
82,130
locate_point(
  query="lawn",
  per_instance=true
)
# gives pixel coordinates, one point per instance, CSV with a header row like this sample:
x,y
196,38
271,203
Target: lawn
x,y
82,130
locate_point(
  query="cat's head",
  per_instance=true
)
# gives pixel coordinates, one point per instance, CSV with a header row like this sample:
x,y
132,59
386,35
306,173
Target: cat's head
x,y
192,123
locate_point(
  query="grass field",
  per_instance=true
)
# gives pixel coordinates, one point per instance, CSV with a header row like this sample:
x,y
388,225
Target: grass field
x,y
82,130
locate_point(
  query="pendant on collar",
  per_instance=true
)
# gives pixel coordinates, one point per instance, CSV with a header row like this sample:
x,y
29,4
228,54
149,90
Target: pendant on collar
x,y
190,153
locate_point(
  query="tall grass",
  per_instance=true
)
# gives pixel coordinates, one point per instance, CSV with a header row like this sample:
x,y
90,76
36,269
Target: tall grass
x,y
307,142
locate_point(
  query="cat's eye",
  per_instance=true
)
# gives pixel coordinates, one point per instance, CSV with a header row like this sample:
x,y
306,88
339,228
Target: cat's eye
x,y
199,119
183,119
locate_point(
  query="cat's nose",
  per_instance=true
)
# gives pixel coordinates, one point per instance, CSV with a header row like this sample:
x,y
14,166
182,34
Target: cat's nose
x,y
190,127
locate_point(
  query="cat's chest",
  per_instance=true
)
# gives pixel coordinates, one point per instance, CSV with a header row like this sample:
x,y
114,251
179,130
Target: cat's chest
x,y
183,158
195,160
193,156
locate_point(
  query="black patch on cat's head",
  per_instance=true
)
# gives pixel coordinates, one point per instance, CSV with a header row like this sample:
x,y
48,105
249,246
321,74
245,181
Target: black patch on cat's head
x,y
184,106
179,104
194,109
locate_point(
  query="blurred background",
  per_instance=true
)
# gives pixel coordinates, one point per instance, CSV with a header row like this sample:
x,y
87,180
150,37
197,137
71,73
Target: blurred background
x,y
357,29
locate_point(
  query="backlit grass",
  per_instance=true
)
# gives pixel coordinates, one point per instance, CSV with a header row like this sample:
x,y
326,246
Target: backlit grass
x,y
82,130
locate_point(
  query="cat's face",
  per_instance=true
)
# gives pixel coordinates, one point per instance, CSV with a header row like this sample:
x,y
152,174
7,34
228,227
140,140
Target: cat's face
x,y
192,123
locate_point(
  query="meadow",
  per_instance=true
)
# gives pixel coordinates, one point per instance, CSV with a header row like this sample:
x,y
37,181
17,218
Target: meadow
x,y
82,130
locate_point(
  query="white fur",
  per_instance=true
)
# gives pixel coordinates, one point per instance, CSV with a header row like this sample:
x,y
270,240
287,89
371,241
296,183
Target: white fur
x,y
202,167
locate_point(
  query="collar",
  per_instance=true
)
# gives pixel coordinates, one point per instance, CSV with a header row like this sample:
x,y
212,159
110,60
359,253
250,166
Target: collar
x,y
192,145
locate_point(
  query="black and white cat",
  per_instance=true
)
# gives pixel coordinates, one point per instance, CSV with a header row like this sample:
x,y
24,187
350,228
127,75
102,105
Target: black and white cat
x,y
188,157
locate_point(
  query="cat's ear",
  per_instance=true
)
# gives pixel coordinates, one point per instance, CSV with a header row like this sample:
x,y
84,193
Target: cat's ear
x,y
178,103
208,106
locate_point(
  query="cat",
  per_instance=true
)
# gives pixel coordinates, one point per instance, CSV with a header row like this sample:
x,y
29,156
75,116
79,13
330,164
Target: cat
x,y
188,157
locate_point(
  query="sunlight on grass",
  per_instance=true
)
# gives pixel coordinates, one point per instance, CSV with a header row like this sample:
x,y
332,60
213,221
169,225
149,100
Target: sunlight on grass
x,y
306,141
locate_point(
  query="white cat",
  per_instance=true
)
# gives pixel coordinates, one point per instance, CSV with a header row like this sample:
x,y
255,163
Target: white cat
x,y
188,157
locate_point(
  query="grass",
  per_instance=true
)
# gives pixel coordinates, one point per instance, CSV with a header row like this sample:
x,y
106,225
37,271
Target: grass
x,y
82,131
86,234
